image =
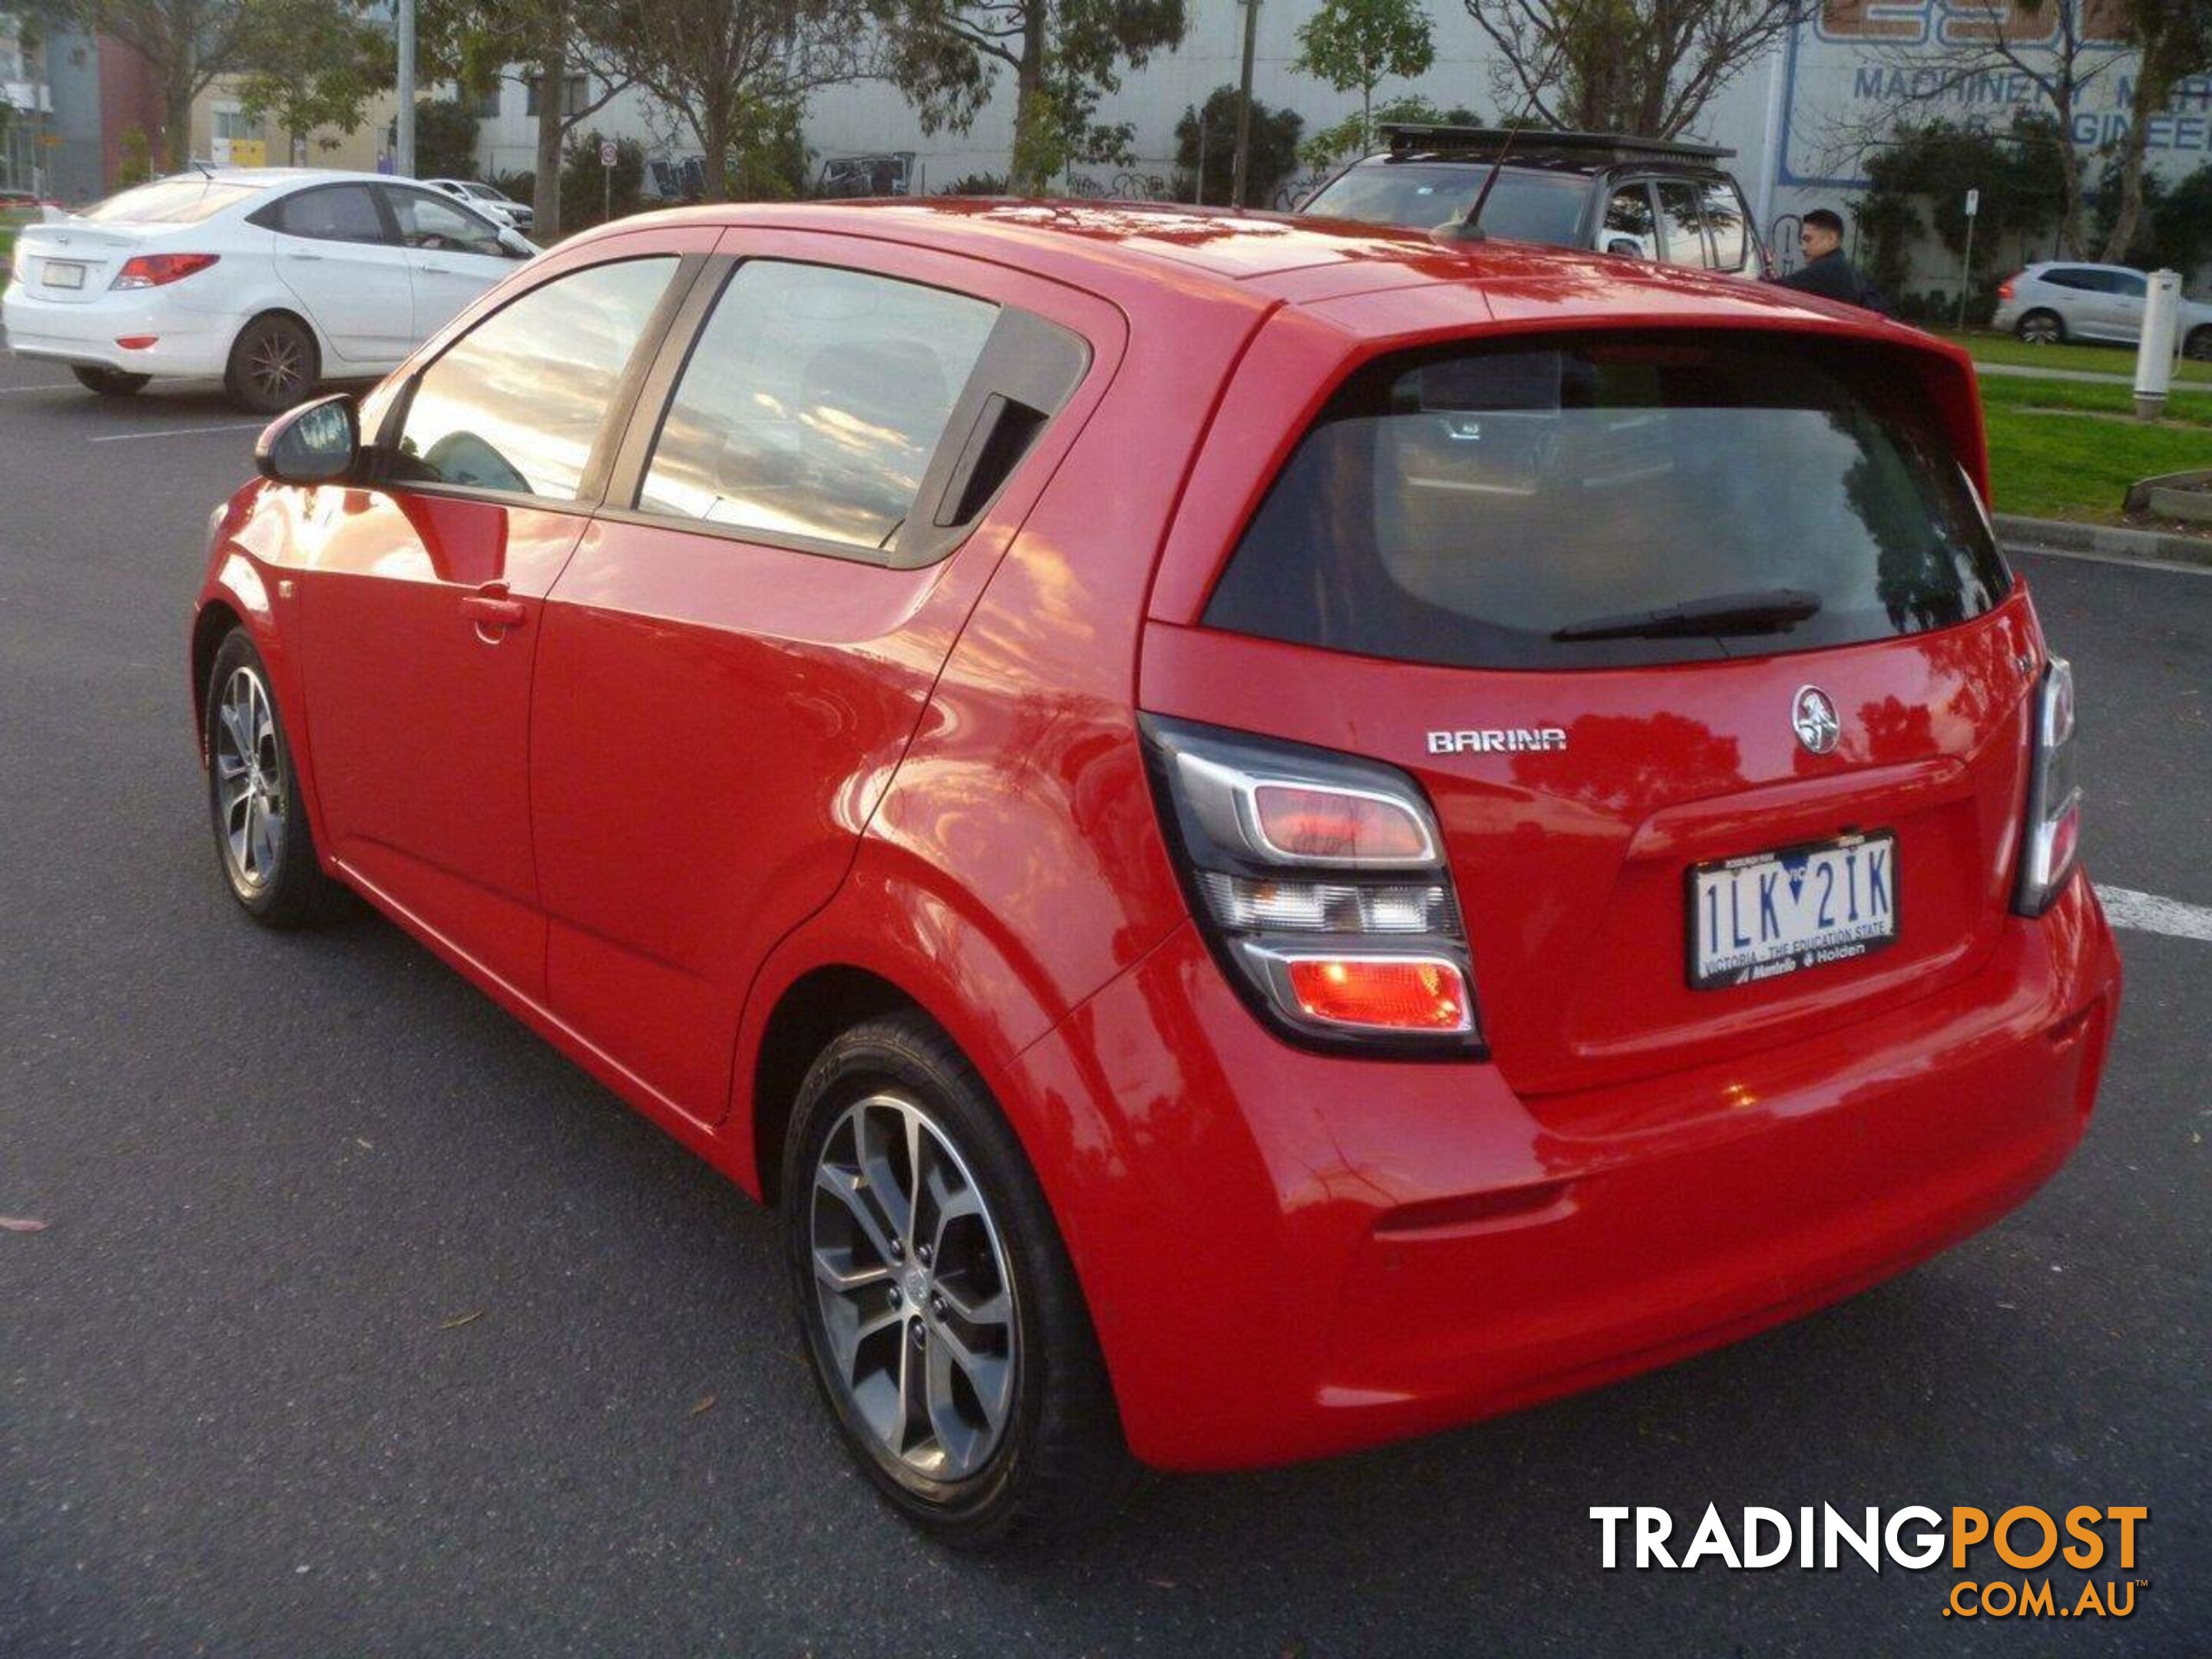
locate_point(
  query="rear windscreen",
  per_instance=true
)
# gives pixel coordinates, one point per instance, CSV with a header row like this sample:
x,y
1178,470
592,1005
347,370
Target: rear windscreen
x,y
1627,499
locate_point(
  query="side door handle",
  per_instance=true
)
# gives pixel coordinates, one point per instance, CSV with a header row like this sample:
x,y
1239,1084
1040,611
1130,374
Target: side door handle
x,y
493,612
317,257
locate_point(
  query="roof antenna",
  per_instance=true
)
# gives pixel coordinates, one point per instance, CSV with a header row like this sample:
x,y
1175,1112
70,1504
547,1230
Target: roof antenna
x,y
1469,229
204,169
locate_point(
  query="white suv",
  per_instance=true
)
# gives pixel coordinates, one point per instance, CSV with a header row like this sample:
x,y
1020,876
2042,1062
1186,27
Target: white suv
x,y
2072,301
272,277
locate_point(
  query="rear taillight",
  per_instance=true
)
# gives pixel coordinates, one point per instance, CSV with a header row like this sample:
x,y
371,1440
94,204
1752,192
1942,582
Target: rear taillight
x,y
1319,880
2004,289
160,270
2054,800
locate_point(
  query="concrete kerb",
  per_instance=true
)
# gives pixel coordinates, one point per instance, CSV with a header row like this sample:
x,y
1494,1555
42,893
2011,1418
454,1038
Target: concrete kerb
x,y
2104,541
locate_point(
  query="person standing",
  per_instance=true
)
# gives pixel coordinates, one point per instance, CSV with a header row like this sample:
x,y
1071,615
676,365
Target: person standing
x,y
1826,271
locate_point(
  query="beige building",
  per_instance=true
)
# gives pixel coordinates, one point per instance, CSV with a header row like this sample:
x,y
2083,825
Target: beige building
x,y
224,134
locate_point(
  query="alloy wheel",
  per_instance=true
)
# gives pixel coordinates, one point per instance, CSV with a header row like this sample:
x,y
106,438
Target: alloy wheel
x,y
276,365
249,780
2040,330
913,1300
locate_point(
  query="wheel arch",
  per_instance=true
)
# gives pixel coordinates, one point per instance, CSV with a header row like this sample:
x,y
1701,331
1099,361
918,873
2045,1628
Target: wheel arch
x,y
807,1017
290,310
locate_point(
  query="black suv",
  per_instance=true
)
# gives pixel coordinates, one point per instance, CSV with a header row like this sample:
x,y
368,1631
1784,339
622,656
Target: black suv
x,y
1645,197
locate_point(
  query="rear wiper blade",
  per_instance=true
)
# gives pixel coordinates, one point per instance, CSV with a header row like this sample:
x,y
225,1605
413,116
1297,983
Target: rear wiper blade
x,y
1772,612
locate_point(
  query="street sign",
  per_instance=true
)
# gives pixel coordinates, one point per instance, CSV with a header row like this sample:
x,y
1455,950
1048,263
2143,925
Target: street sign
x,y
1973,202
607,155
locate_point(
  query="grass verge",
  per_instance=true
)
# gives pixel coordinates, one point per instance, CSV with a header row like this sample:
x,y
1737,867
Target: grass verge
x,y
2057,451
2088,359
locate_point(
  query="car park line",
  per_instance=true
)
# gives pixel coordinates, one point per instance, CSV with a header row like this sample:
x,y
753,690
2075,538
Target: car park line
x,y
2148,913
178,432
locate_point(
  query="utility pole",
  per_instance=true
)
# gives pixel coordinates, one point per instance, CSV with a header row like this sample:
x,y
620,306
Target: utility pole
x,y
404,162
1244,105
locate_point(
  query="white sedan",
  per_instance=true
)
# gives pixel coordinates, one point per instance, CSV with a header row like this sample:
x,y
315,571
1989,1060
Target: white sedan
x,y
488,200
272,277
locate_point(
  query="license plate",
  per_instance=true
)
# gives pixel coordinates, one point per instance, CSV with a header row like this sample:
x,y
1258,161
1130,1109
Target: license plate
x,y
1769,914
60,273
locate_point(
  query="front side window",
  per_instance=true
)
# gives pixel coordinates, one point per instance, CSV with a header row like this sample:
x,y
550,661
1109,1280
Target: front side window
x,y
517,404
1587,502
813,402
2128,284
440,225
335,213
1684,243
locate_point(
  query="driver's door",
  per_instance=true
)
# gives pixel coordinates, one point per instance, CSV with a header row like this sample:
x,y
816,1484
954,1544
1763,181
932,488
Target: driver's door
x,y
422,594
453,254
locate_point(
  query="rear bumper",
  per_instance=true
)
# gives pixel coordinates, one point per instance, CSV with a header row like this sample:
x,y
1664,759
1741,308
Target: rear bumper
x,y
1290,1254
186,343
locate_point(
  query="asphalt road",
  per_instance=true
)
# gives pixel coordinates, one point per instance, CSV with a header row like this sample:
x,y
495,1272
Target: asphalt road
x,y
363,1324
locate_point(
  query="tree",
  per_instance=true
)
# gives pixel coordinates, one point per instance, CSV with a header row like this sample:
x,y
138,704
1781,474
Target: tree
x,y
1274,146
736,72
1350,136
474,43
445,139
1648,67
2175,38
1935,165
946,56
311,63
2057,49
1356,43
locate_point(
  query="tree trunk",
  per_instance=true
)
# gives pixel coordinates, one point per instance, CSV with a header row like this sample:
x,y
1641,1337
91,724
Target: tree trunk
x,y
2070,167
1029,106
715,138
545,195
177,110
2152,89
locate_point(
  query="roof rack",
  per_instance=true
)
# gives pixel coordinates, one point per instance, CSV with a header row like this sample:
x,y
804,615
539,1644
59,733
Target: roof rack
x,y
1407,136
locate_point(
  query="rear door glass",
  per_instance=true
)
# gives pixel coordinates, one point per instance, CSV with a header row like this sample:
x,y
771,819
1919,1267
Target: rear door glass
x,y
1630,227
1585,501
1725,224
813,402
1680,241
337,213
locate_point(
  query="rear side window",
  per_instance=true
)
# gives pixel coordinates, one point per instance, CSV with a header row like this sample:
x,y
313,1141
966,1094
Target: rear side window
x,y
1579,502
337,213
517,403
813,402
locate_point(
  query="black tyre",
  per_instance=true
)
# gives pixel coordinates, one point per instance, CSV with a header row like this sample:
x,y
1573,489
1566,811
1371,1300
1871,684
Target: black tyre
x,y
2198,345
109,382
261,835
2041,328
273,365
948,1335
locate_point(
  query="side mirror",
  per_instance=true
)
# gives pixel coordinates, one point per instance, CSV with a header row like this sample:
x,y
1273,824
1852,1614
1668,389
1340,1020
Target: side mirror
x,y
316,443
515,245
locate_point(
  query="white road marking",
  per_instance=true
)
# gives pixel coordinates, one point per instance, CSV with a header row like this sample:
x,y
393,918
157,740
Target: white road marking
x,y
49,386
177,432
2126,907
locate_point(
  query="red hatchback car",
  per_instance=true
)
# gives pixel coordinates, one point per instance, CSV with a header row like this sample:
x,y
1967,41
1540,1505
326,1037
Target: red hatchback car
x,y
1267,835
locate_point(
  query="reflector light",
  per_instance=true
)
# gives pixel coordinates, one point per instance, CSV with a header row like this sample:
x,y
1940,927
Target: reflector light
x,y
1327,823
1406,994
136,342
159,270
